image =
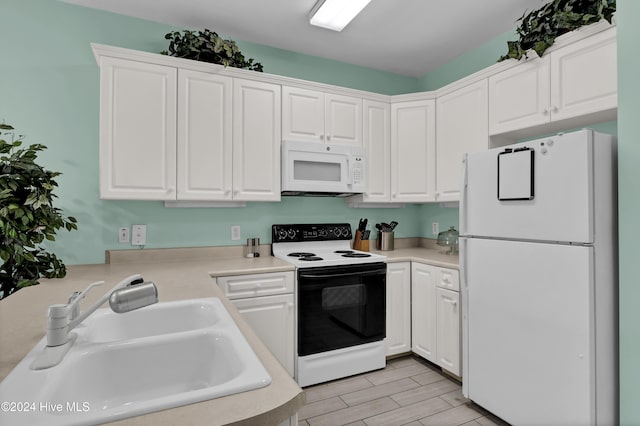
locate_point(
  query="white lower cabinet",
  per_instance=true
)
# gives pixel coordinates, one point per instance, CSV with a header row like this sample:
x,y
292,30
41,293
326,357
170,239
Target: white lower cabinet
x,y
265,301
448,330
435,315
423,311
398,338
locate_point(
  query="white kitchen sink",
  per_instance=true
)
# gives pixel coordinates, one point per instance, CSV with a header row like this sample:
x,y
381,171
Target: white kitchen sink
x,y
164,318
191,351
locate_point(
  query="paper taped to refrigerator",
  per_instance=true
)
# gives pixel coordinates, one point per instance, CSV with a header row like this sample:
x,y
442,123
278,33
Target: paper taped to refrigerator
x,y
515,175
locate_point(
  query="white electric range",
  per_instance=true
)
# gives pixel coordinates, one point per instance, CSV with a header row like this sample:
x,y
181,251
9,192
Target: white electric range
x,y
340,301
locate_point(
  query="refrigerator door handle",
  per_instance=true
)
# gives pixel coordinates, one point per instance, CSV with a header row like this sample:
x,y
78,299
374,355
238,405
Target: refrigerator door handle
x,y
462,241
463,195
464,294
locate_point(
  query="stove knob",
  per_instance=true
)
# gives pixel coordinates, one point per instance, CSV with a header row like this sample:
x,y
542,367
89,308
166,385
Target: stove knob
x,y
322,232
291,233
282,234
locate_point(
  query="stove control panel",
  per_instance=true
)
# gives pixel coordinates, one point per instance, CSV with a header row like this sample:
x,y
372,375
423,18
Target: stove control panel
x,y
310,232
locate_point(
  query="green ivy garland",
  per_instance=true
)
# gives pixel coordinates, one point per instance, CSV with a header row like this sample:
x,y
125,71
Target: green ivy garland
x,y
538,29
208,46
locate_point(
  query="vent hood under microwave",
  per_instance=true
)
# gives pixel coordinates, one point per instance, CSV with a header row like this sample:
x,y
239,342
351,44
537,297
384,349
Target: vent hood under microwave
x,y
320,169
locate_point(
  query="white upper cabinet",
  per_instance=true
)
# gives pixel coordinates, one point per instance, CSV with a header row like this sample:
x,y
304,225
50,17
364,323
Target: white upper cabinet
x,y
303,114
179,134
413,151
377,142
584,77
343,119
204,136
256,140
519,97
313,116
576,81
462,126
137,130
172,129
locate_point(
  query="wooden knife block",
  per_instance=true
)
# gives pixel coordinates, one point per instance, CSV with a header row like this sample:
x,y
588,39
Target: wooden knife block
x,y
359,243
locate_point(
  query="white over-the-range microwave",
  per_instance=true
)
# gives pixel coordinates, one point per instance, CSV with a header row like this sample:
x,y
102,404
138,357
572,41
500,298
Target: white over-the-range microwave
x,y
313,168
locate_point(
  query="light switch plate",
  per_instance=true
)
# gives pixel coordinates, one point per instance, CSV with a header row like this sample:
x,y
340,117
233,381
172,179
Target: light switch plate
x,y
235,232
138,235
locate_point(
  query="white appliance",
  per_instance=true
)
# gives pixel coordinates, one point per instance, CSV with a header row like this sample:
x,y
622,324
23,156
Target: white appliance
x,y
340,299
538,247
310,168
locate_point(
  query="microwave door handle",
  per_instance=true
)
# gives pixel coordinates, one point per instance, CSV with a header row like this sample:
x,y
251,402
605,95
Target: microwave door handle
x,y
349,172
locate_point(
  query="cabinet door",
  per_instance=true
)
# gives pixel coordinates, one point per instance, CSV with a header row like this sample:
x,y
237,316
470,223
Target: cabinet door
x,y
519,96
137,130
424,311
413,151
271,317
343,119
204,136
377,142
461,127
302,114
256,141
448,330
584,76
398,338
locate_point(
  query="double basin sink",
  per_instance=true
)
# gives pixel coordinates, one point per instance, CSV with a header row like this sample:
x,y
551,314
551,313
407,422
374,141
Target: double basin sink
x,y
123,365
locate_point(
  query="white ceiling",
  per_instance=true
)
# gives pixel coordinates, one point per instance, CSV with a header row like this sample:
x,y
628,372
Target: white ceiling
x,y
409,37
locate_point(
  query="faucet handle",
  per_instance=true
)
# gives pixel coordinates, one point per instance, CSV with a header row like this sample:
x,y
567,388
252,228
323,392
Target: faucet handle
x,y
76,297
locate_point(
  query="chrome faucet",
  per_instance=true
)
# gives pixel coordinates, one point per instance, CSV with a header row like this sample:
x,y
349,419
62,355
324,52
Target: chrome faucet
x,y
129,294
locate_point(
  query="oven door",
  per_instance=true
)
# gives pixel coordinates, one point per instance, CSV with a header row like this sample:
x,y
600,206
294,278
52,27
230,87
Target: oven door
x,y
340,306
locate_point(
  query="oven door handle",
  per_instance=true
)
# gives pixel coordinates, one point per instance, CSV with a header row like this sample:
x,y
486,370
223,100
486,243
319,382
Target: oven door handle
x,y
344,274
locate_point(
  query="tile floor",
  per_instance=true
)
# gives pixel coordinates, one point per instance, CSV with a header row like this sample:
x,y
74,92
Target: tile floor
x,y
409,391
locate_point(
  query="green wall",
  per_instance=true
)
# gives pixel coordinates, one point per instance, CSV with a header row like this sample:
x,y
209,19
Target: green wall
x,y
49,92
49,89
467,63
628,16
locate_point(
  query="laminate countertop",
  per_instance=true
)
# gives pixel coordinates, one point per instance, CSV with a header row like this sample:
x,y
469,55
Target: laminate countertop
x,y
23,318
432,256
179,275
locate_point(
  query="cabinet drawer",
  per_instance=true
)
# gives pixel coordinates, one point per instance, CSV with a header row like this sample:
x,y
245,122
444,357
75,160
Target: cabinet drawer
x,y
449,279
254,285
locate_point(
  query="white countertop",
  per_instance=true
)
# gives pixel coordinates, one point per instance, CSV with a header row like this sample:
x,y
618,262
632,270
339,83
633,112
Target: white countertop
x,y
179,274
23,324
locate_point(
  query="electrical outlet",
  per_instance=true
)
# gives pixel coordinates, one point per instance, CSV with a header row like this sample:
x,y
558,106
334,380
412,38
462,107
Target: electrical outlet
x,y
123,234
235,232
138,235
435,228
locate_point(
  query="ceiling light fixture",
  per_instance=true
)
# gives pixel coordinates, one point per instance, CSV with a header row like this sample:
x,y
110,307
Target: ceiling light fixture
x,y
335,14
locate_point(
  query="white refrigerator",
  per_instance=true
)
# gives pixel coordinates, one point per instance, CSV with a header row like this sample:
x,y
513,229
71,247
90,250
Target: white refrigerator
x,y
538,266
